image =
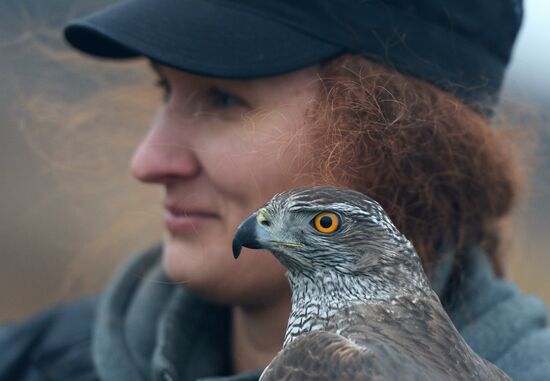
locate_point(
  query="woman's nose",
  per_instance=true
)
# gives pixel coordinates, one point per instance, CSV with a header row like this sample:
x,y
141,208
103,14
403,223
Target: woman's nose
x,y
164,155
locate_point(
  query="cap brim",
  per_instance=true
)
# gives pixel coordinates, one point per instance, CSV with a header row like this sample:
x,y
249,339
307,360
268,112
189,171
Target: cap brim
x,y
198,36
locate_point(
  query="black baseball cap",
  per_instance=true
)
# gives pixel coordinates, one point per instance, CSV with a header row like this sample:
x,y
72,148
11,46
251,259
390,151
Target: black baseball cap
x,y
462,46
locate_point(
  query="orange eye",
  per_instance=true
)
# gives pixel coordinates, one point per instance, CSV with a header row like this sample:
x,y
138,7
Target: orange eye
x,y
326,222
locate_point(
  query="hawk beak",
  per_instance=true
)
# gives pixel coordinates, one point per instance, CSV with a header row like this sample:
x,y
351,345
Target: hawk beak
x,y
246,235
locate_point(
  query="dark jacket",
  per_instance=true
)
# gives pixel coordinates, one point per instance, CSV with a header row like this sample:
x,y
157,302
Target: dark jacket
x,y
145,328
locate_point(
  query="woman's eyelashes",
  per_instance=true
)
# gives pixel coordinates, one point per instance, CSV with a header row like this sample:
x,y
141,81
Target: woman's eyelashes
x,y
211,100
220,99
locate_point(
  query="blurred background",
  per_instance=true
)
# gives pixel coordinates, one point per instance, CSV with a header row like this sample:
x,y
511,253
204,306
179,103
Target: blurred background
x,y
70,212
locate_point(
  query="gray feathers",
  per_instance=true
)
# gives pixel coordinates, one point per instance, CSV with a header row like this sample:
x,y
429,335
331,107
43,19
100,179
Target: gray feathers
x,y
362,308
382,342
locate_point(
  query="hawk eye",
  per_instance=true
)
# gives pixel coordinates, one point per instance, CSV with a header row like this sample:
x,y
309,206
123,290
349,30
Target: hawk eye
x,y
326,222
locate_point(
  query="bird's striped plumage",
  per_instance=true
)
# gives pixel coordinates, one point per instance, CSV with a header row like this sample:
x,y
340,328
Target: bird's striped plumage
x,y
362,307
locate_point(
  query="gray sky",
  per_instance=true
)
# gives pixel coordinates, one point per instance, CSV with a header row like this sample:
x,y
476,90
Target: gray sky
x,y
529,71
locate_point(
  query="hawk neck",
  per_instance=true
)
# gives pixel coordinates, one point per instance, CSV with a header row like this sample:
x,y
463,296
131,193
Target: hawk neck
x,y
317,297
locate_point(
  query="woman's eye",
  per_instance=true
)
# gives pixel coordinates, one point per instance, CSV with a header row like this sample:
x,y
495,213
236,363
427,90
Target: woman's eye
x,y
213,101
219,99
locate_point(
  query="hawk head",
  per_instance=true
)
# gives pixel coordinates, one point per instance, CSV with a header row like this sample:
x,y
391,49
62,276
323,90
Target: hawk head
x,y
326,229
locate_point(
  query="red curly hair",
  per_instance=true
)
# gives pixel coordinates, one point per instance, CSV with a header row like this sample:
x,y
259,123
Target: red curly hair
x,y
438,167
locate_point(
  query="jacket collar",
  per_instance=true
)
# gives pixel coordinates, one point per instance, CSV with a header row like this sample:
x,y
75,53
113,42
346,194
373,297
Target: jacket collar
x,y
147,327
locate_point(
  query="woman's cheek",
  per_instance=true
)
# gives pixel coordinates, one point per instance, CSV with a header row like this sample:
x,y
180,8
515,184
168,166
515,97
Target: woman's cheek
x,y
245,159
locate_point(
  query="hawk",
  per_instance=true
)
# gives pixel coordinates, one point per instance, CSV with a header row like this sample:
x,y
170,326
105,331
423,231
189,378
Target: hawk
x,y
362,306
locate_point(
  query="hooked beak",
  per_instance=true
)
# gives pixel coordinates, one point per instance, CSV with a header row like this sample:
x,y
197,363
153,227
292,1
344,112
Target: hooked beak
x,y
246,235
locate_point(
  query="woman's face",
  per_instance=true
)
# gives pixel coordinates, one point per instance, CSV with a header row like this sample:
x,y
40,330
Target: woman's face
x,y
220,149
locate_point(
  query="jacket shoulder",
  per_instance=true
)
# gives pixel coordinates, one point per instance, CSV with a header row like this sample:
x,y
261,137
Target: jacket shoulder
x,y
51,345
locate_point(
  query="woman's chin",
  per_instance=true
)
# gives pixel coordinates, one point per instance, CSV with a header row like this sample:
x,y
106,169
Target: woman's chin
x,y
213,273
186,261
199,267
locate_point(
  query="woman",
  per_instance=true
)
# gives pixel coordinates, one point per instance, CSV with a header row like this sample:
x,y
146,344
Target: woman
x,y
390,99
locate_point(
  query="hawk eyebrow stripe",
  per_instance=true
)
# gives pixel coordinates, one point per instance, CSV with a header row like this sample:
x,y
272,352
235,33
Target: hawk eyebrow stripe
x,y
300,206
337,207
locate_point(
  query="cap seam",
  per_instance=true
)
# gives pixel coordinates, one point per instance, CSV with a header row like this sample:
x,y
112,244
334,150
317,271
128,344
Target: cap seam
x,y
282,20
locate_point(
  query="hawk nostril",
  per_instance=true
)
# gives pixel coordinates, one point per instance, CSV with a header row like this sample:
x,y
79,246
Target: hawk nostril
x,y
262,218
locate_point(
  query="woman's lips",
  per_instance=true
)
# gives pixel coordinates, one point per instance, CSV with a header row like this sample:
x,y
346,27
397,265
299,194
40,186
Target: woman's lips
x,y
186,223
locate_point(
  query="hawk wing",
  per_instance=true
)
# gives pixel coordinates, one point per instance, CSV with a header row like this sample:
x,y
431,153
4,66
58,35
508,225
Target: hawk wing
x,y
326,356
414,340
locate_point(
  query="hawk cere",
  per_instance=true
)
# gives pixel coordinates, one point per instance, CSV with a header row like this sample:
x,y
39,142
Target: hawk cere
x,y
362,306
